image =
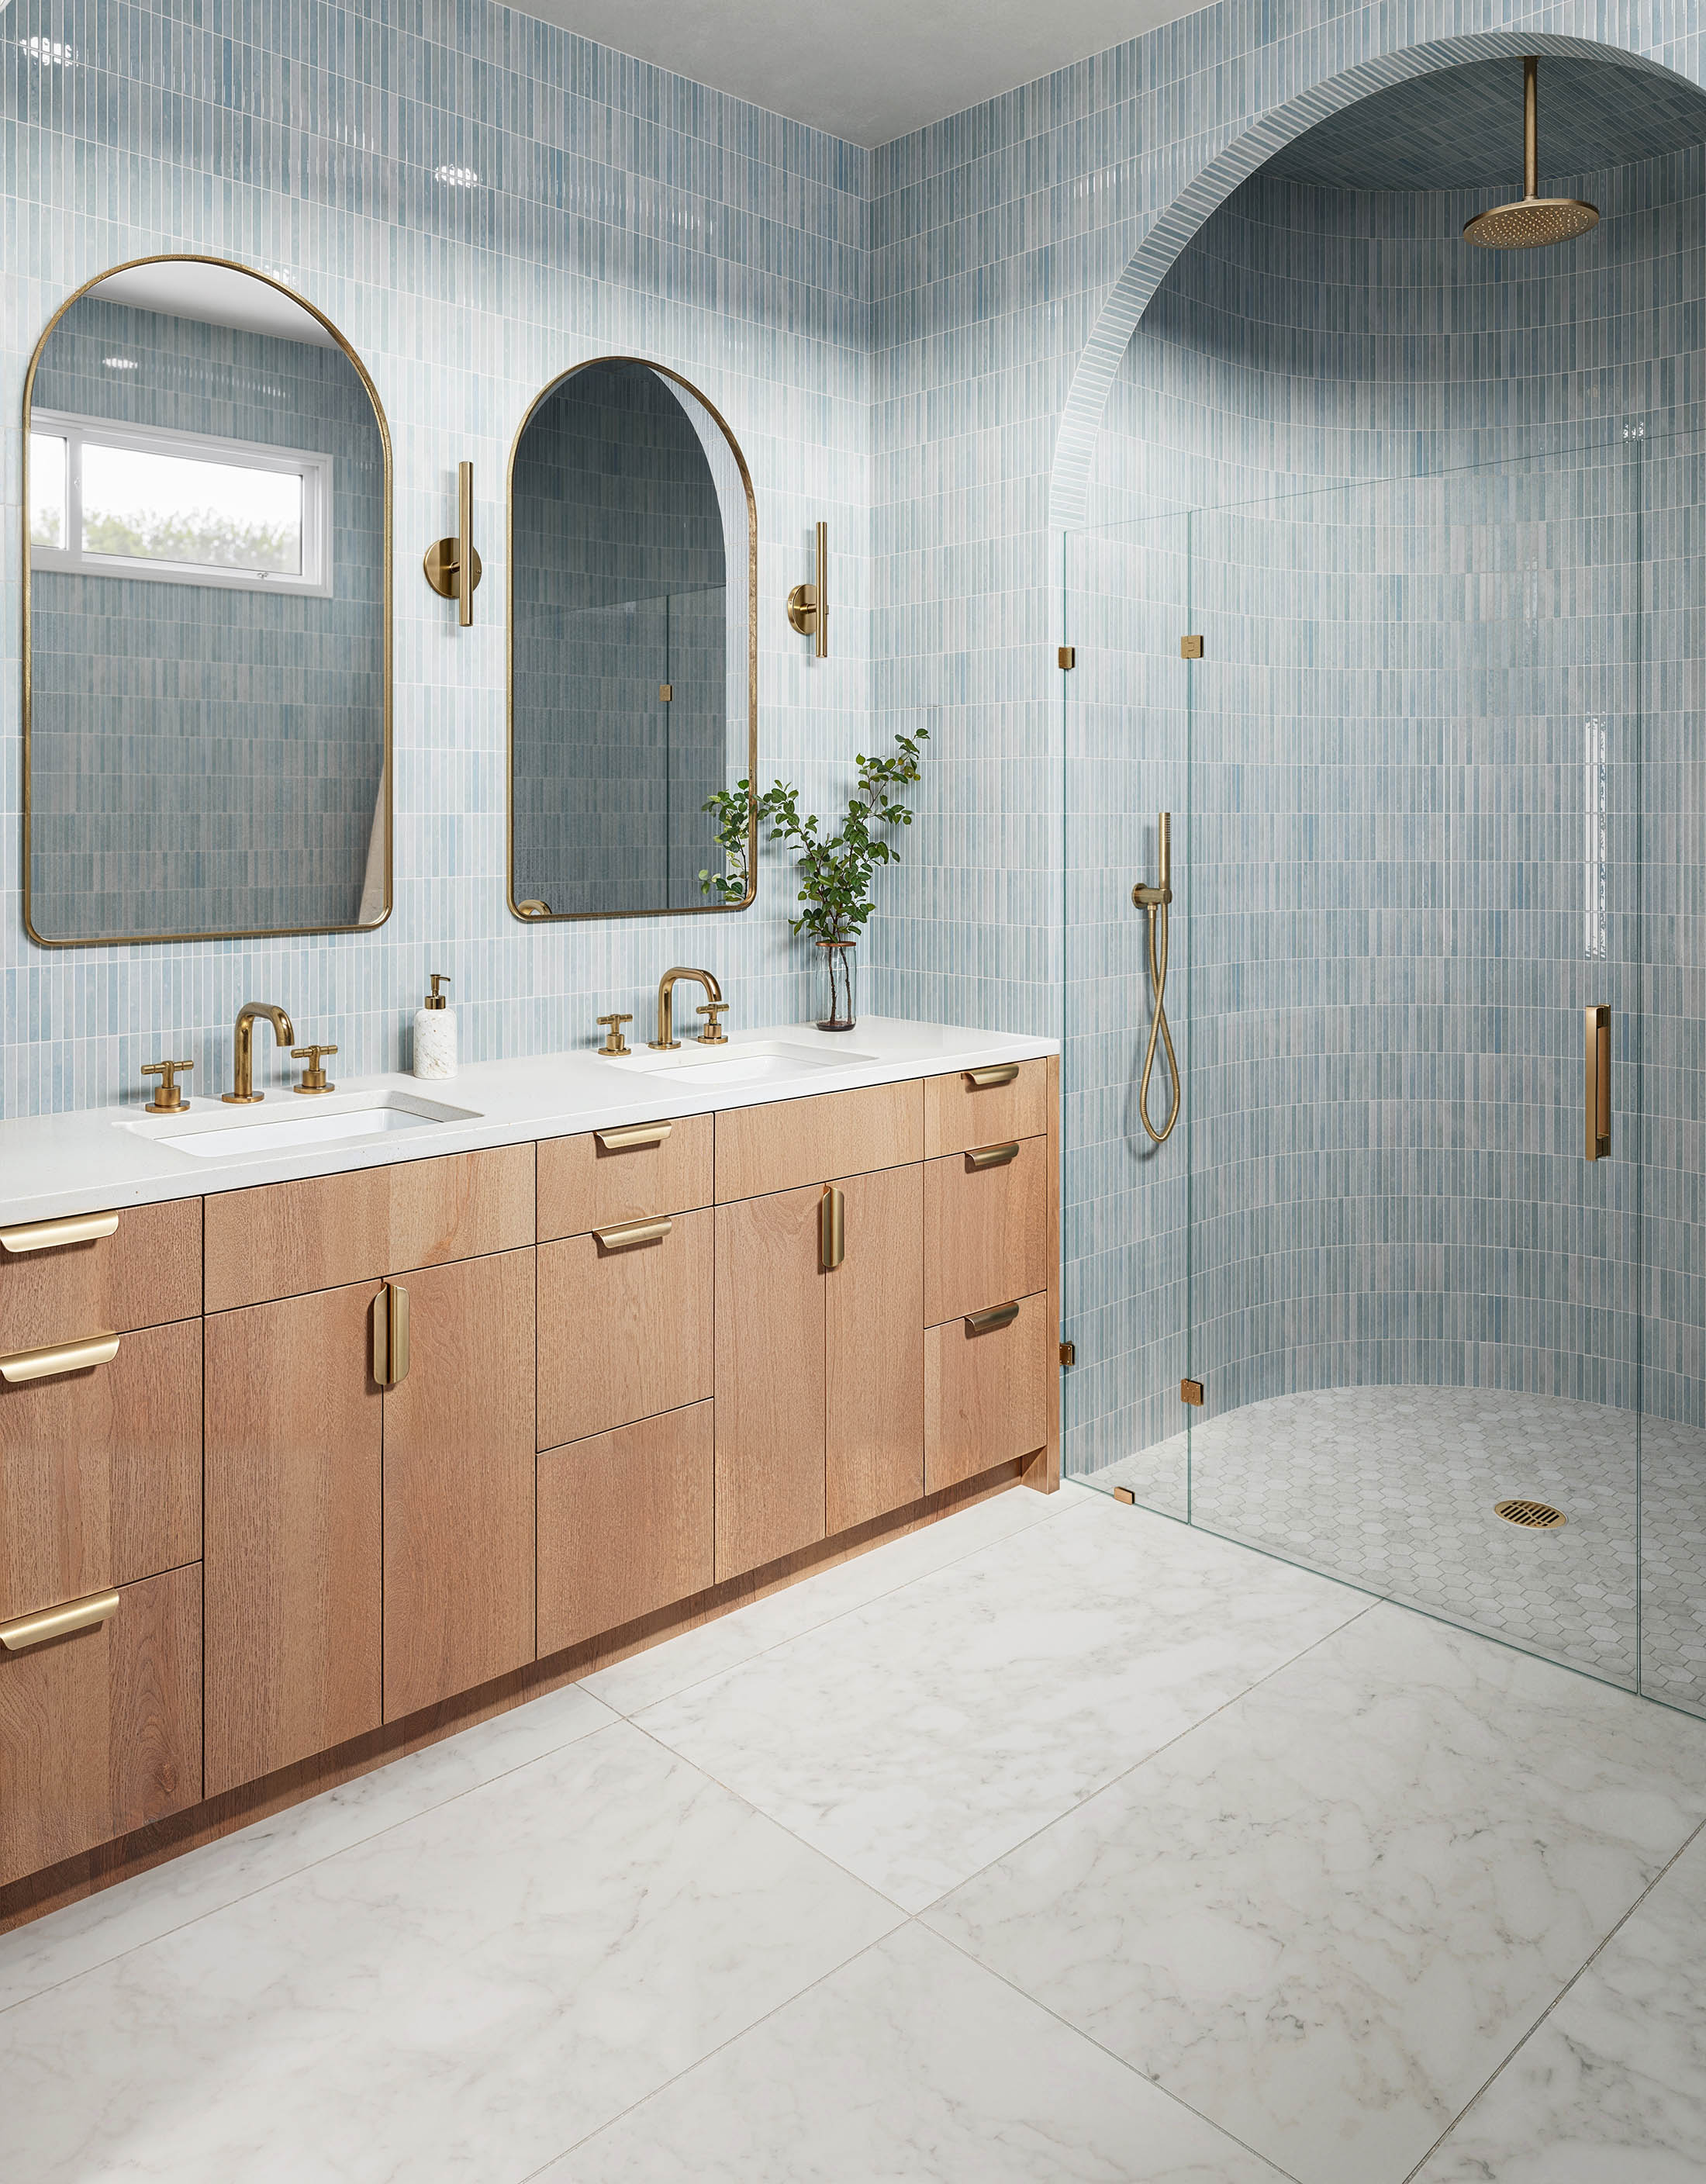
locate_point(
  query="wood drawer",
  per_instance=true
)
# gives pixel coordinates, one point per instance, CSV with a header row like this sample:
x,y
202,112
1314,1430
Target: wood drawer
x,y
624,1329
985,1395
286,1238
625,1526
626,1174
101,1730
148,1271
959,1114
794,1142
985,1228
101,1472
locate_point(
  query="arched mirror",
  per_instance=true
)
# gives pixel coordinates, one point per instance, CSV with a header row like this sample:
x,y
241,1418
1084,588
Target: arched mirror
x,y
206,624
633,607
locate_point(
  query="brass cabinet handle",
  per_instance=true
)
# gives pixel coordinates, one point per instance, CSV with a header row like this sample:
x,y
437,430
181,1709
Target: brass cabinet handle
x,y
986,1323
57,1622
998,1073
51,1235
391,1334
832,1227
636,1135
1597,1086
59,1357
993,1155
633,1232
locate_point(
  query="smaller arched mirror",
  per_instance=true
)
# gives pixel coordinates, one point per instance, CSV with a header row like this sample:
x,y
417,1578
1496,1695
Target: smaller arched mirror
x,y
634,602
206,621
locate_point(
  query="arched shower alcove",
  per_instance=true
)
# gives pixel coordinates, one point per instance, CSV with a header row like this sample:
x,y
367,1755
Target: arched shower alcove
x,y
1438,784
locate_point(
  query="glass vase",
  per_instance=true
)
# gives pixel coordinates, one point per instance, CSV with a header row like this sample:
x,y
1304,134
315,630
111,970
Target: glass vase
x,y
838,995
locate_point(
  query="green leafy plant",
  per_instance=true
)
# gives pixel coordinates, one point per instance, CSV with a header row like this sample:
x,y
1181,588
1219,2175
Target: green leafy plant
x,y
835,869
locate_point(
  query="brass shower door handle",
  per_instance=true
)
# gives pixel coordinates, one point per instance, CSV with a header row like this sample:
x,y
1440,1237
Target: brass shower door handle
x,y
832,1228
1597,1083
391,1334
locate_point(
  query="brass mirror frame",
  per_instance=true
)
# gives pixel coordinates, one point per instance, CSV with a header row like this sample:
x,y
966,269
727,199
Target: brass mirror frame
x,y
682,910
250,933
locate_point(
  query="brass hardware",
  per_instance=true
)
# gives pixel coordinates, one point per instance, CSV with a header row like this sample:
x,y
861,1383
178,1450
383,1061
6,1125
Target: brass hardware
x,y
666,1038
714,1034
1068,656
1190,648
991,1322
59,1622
1124,1494
55,1236
633,1136
1596,1084
445,559
313,1077
808,604
993,1155
1191,1391
532,908
435,999
998,1073
242,1092
56,1357
625,1233
1532,220
391,1334
666,691
1068,1356
169,1098
613,1041
832,1228
1532,1516
1158,901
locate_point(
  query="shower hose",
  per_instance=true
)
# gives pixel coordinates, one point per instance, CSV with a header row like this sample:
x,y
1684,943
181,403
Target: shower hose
x,y
1158,901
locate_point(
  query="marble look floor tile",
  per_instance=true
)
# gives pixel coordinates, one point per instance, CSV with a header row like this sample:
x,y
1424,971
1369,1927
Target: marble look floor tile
x,y
1324,1916
461,1997
82,1935
910,2064
1611,2088
744,1632
927,1733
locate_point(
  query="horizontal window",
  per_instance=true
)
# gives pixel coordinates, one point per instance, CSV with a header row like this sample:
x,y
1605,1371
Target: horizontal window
x,y
179,508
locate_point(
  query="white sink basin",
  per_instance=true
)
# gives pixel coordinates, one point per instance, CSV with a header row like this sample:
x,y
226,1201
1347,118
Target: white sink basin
x,y
289,1122
743,1062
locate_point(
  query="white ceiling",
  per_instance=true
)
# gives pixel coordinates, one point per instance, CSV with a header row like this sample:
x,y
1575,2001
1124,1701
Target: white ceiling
x,y
869,71
218,295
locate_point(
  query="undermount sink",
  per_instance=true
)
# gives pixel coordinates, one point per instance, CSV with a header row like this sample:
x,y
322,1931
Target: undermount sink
x,y
742,1061
329,1119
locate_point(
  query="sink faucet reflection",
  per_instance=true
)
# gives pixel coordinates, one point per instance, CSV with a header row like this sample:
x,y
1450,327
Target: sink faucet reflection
x,y
666,1003
242,1092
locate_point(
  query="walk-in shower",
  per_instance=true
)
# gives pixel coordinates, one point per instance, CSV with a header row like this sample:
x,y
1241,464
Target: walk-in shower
x,y
1437,775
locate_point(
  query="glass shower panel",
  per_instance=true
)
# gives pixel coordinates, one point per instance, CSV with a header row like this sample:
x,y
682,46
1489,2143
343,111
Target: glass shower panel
x,y
1412,869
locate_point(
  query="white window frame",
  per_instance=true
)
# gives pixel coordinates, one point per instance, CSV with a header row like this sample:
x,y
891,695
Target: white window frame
x,y
313,468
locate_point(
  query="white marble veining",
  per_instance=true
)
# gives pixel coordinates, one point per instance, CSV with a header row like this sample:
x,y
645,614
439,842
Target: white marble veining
x,y
88,1162
1323,1917
911,2064
919,1737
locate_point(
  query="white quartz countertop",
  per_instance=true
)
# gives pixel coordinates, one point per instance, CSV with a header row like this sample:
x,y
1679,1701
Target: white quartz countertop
x,y
115,1156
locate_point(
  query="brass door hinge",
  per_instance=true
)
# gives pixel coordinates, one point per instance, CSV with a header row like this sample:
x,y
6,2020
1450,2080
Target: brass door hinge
x,y
1191,1391
1069,1355
1190,648
1068,656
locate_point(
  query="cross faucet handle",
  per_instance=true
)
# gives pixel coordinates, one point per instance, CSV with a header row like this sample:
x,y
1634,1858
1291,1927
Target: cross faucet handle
x,y
313,1077
714,1034
616,1044
169,1098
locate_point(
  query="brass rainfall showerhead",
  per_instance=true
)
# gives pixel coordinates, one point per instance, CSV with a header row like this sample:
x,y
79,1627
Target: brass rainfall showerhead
x,y
1532,220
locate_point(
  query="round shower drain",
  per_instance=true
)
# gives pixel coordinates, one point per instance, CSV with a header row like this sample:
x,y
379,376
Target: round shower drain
x,y
1533,1516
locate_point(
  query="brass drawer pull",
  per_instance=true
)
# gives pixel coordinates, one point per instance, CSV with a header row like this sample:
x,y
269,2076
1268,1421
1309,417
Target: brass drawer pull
x,y
998,1073
57,1622
993,1155
636,1135
987,1323
832,1227
391,1334
51,1235
59,1357
633,1232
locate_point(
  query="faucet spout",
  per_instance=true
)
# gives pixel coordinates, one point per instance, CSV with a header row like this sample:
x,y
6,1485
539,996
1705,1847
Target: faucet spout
x,y
665,1000
242,1092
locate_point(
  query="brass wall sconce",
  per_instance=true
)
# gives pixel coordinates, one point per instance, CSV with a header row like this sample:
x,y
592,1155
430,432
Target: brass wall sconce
x,y
446,559
808,604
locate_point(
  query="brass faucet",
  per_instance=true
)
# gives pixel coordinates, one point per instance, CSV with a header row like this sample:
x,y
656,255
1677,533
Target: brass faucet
x,y
665,1001
242,1092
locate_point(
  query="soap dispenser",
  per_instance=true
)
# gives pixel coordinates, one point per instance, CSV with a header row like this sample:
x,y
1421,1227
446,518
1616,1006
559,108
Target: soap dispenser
x,y
435,1033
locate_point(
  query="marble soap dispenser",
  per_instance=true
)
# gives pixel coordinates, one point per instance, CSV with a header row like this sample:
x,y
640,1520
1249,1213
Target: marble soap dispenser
x,y
435,1033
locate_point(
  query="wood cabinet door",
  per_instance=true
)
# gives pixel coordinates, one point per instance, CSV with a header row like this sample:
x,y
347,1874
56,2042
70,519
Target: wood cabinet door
x,y
292,1532
770,1379
874,1351
459,1484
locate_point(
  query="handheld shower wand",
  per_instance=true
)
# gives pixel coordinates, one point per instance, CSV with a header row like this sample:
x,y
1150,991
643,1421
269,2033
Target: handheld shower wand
x,y
1158,901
